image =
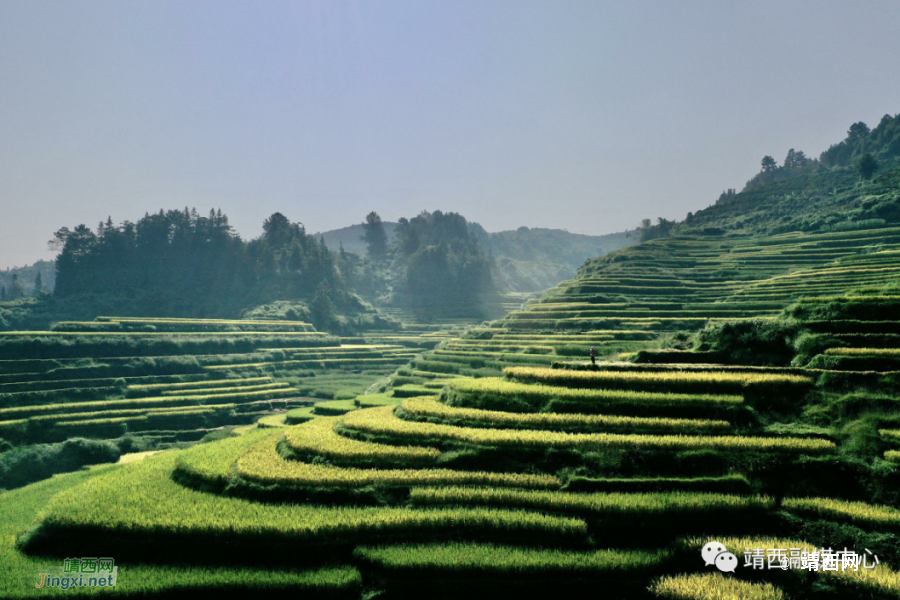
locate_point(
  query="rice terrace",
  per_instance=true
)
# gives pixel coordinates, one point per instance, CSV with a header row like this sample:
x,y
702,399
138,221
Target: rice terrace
x,y
697,408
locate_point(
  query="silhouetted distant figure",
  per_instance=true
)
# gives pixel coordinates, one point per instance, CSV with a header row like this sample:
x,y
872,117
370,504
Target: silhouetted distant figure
x,y
593,356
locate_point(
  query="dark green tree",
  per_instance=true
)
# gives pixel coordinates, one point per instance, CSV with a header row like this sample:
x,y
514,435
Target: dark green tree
x,y
178,262
441,265
867,165
38,284
795,159
647,231
322,310
15,290
768,164
857,130
375,237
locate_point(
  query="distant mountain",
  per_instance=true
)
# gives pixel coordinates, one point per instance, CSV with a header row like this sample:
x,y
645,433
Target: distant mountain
x,y
532,259
527,259
351,236
25,276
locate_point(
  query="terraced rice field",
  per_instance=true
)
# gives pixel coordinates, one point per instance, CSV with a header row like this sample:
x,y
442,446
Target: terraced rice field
x,y
501,463
171,380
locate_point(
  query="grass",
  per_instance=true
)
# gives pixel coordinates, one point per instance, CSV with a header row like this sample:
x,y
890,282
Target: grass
x,y
692,381
471,559
863,351
272,421
490,391
334,407
608,505
107,505
382,421
106,414
430,407
858,513
370,400
318,438
25,411
892,435
139,334
726,484
300,415
199,384
19,509
226,390
263,464
713,586
213,462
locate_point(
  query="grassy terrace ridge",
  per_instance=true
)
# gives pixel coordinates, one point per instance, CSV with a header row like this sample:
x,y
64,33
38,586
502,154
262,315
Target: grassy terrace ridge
x,y
423,407
382,421
126,412
864,351
311,361
318,438
139,402
264,465
468,559
165,512
463,391
213,463
713,586
163,325
19,508
607,505
158,380
859,513
247,381
139,334
694,380
276,322
227,389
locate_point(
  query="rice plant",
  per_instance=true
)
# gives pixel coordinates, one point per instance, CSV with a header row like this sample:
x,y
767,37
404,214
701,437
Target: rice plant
x,y
881,579
859,513
20,508
318,438
248,381
165,510
471,559
263,464
382,421
607,505
430,407
713,586
494,389
675,381
236,396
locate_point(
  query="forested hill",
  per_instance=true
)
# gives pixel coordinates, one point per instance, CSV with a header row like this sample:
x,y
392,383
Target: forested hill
x,y
26,281
525,259
351,237
531,259
853,185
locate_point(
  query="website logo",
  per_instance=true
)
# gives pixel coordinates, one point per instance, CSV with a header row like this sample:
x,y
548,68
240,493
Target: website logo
x,y
79,572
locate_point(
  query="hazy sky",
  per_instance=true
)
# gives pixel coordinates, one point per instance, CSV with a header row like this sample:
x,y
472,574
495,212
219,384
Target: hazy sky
x,y
587,116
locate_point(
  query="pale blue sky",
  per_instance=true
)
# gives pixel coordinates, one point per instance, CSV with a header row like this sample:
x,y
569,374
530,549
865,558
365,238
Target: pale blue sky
x,y
587,116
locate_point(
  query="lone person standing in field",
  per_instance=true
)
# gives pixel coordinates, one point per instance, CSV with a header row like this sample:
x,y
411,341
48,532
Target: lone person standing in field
x,y
593,356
